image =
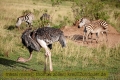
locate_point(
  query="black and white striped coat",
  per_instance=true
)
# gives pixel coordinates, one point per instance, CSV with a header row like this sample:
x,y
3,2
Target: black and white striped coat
x,y
28,18
91,27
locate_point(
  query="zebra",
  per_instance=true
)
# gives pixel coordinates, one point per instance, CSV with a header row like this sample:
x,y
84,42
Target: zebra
x,y
45,18
42,38
91,27
28,18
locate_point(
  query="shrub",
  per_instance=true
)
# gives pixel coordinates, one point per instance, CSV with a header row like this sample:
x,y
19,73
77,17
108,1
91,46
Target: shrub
x,y
116,14
56,2
91,9
26,12
101,15
36,12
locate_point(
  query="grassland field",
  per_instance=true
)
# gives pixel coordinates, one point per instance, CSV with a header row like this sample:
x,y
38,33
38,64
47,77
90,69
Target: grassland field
x,y
72,58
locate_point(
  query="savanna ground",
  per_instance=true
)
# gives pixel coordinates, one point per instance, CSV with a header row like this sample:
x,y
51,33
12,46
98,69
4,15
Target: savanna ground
x,y
104,56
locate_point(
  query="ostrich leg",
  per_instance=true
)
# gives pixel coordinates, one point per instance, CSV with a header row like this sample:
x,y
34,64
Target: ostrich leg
x,y
47,54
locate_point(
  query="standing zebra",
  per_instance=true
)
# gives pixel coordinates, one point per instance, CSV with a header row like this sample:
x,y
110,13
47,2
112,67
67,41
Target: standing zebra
x,y
42,38
45,18
28,18
97,27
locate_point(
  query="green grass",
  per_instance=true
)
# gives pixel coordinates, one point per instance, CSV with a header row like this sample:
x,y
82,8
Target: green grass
x,y
72,58
75,58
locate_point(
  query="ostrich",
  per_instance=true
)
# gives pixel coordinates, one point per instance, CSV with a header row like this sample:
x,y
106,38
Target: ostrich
x,y
42,38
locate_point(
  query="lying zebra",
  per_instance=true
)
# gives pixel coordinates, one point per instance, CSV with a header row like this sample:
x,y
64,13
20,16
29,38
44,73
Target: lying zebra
x,y
91,27
28,18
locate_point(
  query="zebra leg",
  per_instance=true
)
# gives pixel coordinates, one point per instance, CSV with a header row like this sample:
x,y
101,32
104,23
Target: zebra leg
x,y
102,35
97,34
18,27
87,37
29,24
106,37
91,37
84,37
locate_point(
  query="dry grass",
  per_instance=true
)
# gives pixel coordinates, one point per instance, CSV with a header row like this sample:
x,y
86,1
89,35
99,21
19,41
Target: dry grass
x,y
73,57
10,10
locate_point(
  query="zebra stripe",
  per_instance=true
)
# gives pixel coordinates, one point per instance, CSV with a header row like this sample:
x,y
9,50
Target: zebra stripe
x,y
104,24
101,23
89,27
28,18
97,27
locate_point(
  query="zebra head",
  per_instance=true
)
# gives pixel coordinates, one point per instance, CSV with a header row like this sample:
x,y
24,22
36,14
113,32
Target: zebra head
x,y
18,22
83,21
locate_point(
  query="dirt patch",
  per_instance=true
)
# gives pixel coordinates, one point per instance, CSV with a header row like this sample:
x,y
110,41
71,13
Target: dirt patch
x,y
75,34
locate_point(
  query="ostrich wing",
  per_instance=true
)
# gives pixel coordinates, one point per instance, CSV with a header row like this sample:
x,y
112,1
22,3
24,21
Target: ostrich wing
x,y
29,42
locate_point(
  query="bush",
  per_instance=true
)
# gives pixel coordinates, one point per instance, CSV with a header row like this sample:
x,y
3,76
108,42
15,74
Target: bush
x,y
101,15
56,2
26,12
91,9
116,14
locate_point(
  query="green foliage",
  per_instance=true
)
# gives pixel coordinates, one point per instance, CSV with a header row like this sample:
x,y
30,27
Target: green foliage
x,y
24,12
57,26
45,10
36,12
112,3
89,9
101,15
117,4
116,14
73,57
65,21
56,2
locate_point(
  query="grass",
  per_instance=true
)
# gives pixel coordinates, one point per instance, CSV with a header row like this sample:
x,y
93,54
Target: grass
x,y
75,58
72,58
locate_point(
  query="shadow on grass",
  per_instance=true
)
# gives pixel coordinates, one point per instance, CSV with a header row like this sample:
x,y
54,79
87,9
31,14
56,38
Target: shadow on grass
x,y
11,63
75,37
11,27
